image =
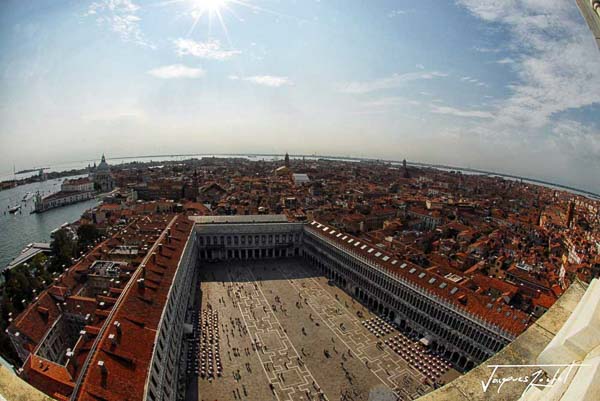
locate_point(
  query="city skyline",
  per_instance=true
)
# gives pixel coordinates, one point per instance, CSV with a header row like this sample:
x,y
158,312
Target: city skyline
x,y
498,86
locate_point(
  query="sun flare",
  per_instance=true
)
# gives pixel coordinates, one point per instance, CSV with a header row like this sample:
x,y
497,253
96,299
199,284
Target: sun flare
x,y
209,6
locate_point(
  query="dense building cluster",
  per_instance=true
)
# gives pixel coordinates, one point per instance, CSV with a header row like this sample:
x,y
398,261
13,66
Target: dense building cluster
x,y
462,264
91,333
500,235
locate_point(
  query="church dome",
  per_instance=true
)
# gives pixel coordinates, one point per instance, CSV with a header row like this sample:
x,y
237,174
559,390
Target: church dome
x,y
103,166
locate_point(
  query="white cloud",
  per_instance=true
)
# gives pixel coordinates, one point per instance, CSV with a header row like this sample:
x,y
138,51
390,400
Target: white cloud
x,y
461,112
391,82
483,49
397,13
265,80
387,102
505,60
558,62
577,140
121,6
121,16
474,81
210,49
176,71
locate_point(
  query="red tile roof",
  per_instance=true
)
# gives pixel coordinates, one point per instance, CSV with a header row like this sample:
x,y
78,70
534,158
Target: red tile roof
x,y
51,378
128,354
463,298
33,323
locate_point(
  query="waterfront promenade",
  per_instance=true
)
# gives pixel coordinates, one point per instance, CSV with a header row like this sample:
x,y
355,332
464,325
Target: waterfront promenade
x,y
18,230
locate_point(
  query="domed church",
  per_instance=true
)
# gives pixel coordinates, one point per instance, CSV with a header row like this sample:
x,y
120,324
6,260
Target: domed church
x,y
102,177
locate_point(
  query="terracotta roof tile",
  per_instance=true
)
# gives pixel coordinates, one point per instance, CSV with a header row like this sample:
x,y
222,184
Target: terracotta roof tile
x,y
460,297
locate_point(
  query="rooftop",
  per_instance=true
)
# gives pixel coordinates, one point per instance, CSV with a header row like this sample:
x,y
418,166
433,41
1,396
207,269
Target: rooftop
x,y
523,351
240,219
511,320
123,352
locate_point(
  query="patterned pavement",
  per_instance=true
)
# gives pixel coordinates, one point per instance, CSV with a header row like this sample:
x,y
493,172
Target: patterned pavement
x,y
286,335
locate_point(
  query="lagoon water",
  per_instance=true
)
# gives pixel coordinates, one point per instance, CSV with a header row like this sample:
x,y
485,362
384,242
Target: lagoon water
x,y
18,230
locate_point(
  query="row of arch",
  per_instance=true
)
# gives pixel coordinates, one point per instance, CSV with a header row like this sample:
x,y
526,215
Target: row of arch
x,y
247,253
480,344
460,360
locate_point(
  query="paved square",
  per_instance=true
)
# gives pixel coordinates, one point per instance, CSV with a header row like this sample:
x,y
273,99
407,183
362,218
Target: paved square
x,y
287,335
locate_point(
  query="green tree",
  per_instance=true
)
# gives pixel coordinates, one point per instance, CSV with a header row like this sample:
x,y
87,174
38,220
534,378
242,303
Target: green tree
x,y
63,249
87,234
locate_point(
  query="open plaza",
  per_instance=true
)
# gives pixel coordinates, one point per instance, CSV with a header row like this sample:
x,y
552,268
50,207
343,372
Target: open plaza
x,y
277,330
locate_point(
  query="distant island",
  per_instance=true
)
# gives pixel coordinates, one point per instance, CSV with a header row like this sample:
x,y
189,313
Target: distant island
x,y
31,170
7,184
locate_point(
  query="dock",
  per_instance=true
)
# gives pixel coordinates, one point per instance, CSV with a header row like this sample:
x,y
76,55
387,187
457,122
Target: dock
x,y
30,251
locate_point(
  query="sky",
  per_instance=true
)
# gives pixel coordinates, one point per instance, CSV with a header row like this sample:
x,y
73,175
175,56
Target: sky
x,y
504,85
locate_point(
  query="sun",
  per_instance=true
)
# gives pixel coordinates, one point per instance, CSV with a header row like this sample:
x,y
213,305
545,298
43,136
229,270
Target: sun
x,y
217,10
212,9
209,6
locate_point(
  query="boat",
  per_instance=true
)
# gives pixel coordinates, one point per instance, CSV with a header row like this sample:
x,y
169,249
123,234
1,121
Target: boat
x,y
14,209
27,196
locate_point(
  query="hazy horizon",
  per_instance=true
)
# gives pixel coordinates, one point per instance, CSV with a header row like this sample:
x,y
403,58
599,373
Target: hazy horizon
x,y
505,86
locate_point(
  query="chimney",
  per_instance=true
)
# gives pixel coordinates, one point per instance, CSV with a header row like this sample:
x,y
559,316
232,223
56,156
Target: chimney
x,y
160,249
153,257
112,339
141,284
71,359
103,372
118,328
43,311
